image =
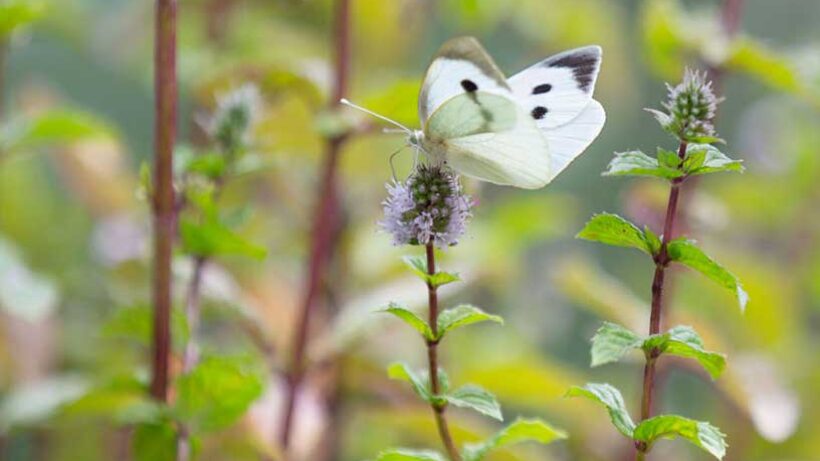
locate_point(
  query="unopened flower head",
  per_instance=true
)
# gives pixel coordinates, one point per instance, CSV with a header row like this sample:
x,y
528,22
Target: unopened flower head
x,y
691,107
235,115
429,206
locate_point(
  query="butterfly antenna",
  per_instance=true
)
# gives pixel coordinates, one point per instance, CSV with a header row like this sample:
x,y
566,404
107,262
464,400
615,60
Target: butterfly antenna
x,y
382,117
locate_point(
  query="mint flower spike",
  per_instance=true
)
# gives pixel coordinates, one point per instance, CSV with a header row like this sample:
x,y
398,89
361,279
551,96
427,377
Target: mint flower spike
x,y
429,206
691,107
235,115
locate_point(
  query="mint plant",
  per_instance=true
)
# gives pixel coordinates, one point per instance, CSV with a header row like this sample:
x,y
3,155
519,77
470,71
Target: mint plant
x,y
206,231
688,117
429,209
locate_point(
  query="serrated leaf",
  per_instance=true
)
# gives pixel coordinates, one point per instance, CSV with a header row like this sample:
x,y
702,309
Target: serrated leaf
x,y
443,278
522,430
684,341
668,159
701,434
705,158
476,398
636,163
462,315
694,159
217,392
402,372
612,229
611,342
611,398
407,454
418,265
687,253
411,319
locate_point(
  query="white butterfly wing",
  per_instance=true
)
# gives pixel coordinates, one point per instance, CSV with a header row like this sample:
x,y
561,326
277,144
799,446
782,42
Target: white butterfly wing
x,y
558,88
489,137
568,141
557,92
461,65
518,157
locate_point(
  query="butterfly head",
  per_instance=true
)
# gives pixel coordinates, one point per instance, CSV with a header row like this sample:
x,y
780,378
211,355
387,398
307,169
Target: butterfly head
x,y
415,138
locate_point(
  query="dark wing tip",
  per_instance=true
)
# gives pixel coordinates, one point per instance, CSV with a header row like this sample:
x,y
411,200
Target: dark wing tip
x,y
585,63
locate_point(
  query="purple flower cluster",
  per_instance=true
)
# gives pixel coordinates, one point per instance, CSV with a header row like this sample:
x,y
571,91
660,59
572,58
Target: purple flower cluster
x,y
691,107
429,206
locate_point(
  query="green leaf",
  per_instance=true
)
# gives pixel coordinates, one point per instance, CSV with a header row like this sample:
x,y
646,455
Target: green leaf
x,y
705,158
134,324
612,229
15,14
476,398
402,372
687,253
522,430
210,237
611,342
771,68
701,434
154,442
652,240
411,319
636,163
212,165
407,454
217,392
124,400
610,397
443,278
52,127
462,315
669,159
683,341
418,265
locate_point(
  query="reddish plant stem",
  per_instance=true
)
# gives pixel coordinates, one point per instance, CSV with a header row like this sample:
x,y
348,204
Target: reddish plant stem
x,y
165,94
730,15
432,358
661,263
324,225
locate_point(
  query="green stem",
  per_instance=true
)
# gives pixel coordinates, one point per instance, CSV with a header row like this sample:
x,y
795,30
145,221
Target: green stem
x,y
432,358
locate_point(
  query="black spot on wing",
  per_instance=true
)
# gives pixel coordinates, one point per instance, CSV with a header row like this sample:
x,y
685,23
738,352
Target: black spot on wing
x,y
539,112
584,65
542,88
469,86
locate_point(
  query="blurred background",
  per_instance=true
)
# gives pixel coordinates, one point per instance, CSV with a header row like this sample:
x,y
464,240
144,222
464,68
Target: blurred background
x,y
76,126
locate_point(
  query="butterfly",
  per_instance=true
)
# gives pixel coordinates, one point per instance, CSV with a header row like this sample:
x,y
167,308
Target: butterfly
x,y
522,131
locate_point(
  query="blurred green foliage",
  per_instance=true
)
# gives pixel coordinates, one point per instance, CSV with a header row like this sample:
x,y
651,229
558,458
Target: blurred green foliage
x,y
75,237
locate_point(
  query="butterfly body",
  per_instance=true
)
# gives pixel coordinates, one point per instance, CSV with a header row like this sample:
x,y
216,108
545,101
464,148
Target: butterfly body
x,y
520,132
